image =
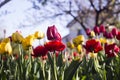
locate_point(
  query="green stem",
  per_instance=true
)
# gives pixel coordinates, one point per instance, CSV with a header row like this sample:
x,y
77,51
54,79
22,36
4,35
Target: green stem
x,y
43,67
20,62
77,78
1,67
49,75
55,72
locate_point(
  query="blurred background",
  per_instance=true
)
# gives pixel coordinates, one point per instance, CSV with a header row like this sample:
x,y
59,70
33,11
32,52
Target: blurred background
x,y
71,17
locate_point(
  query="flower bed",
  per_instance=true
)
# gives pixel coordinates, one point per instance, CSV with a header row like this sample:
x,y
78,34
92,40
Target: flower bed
x,y
95,58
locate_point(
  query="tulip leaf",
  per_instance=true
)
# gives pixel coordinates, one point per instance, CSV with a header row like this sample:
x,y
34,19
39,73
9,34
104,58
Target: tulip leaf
x,y
60,60
70,71
50,59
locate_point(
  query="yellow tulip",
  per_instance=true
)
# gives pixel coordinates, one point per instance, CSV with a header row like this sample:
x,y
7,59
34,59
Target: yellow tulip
x,y
39,35
6,40
5,47
78,40
103,40
79,48
70,45
92,34
27,42
2,49
17,37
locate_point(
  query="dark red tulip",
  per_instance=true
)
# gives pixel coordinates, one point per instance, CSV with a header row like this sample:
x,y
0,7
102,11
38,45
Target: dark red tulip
x,y
54,46
106,34
110,35
111,50
118,35
96,30
39,51
93,46
102,28
114,31
52,33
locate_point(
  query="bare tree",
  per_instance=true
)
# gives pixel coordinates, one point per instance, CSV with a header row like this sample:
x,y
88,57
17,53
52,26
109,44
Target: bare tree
x,y
104,11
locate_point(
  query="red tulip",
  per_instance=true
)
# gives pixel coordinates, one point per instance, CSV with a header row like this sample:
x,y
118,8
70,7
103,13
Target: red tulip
x,y
54,46
39,51
118,35
111,50
93,45
52,33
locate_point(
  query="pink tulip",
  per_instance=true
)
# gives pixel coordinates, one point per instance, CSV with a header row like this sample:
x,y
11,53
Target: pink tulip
x,y
88,31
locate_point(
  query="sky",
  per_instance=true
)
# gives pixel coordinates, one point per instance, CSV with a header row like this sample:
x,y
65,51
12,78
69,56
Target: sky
x,y
17,12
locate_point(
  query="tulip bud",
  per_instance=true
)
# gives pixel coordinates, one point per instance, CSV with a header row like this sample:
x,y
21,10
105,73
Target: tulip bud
x,y
17,37
118,35
96,30
52,33
102,28
114,31
106,34
92,34
39,35
110,35
88,31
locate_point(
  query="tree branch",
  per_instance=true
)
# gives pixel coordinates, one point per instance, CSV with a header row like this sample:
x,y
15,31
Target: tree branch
x,y
91,2
75,18
4,2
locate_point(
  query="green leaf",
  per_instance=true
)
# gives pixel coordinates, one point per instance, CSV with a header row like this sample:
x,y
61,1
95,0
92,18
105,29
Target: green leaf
x,y
50,59
70,71
83,78
60,60
53,66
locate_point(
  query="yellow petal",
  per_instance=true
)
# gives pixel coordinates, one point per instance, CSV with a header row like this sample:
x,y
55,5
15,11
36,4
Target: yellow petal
x,y
78,40
17,37
92,34
92,55
5,48
70,45
79,48
103,40
39,34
